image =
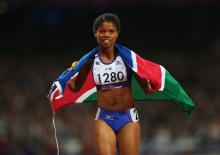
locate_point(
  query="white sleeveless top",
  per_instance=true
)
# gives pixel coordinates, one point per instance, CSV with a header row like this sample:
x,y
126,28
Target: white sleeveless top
x,y
110,75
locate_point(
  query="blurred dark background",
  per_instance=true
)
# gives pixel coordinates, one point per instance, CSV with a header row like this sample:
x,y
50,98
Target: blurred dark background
x,y
40,39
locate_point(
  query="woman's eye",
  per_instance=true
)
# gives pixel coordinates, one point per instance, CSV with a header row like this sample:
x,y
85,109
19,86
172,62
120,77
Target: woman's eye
x,y
102,31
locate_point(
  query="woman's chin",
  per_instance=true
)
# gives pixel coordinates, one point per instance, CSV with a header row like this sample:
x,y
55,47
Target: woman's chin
x,y
106,46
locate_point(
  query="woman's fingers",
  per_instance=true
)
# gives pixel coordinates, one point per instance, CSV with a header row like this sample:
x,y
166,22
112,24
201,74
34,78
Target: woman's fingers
x,y
150,90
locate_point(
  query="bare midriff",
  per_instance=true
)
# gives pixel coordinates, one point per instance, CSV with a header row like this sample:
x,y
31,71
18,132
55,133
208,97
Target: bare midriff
x,y
117,99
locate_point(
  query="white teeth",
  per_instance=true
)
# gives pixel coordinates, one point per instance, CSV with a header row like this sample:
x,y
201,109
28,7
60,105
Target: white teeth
x,y
106,41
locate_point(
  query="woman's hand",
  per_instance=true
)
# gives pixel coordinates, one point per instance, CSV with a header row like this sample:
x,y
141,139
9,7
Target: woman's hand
x,y
148,87
145,85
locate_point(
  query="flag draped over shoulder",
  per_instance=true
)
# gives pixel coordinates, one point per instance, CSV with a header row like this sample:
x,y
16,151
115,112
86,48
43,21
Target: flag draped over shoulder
x,y
161,80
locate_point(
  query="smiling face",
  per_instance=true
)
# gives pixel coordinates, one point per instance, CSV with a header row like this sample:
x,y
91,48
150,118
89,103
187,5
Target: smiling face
x,y
106,35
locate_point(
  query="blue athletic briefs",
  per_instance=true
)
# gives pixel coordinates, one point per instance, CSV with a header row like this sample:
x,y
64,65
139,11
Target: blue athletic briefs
x,y
117,119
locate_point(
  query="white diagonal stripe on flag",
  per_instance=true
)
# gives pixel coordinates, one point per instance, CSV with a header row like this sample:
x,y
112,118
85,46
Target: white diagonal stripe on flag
x,y
163,74
86,95
133,56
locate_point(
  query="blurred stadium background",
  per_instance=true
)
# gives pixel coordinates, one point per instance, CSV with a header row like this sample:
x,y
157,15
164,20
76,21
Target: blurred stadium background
x,y
39,39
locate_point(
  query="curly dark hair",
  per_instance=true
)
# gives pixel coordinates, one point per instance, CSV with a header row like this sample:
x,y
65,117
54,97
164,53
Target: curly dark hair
x,y
106,17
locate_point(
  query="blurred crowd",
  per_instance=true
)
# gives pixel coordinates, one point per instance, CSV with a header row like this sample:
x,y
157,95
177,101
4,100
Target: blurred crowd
x,y
26,117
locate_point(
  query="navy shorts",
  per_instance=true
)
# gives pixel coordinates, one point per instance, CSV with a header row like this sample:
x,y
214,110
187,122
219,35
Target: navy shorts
x,y
117,119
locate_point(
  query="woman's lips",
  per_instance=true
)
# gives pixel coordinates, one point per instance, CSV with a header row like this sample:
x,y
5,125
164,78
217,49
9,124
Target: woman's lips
x,y
106,41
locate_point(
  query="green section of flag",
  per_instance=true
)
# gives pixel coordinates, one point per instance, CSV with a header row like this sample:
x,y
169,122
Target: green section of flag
x,y
172,92
177,94
92,97
139,94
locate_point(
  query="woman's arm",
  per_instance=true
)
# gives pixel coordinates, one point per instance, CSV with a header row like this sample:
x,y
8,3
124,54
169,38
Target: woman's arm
x,y
145,85
76,84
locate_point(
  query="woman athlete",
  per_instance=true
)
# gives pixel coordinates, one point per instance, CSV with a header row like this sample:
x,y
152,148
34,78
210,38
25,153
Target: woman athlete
x,y
116,122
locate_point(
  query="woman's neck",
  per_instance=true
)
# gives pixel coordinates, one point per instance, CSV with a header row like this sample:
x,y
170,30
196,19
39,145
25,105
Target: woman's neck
x,y
107,55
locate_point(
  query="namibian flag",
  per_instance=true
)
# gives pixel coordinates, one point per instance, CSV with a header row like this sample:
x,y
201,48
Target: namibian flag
x,y
161,80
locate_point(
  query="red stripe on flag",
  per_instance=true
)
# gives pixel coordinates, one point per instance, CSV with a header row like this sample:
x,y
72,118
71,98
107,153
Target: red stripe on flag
x,y
70,97
149,71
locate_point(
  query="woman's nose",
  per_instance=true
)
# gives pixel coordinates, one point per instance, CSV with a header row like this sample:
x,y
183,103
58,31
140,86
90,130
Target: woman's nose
x,y
107,34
